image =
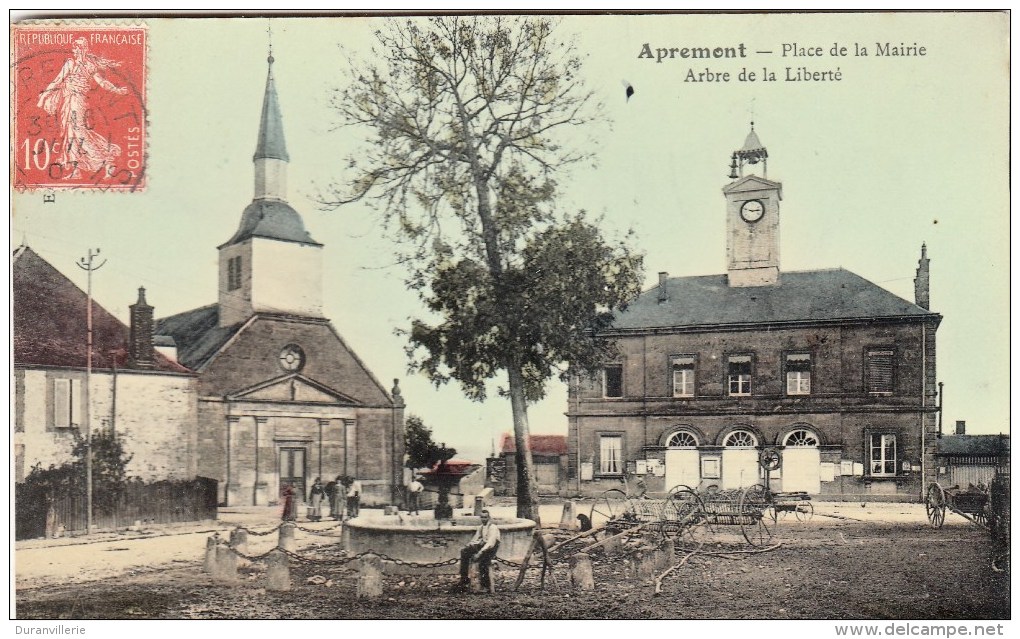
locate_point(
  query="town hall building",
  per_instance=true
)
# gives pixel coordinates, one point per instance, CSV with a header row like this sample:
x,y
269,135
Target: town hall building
x,y
824,369
282,398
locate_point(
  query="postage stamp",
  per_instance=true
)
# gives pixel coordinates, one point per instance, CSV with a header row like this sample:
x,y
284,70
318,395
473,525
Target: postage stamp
x,y
78,118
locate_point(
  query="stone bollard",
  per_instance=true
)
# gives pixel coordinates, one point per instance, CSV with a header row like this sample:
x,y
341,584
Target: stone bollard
x,y
370,584
479,505
569,519
287,541
239,542
209,566
612,547
277,571
664,556
646,562
582,577
226,564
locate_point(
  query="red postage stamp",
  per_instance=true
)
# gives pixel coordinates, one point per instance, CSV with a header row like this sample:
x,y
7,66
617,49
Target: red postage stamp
x,y
78,118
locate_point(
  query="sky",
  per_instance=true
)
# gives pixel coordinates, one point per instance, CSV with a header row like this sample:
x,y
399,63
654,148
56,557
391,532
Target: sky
x,y
901,150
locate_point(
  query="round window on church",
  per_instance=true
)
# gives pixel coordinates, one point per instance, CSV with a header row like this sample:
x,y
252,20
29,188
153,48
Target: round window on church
x,y
292,358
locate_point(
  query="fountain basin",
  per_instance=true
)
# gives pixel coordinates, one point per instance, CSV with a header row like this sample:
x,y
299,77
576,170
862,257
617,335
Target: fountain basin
x,y
425,540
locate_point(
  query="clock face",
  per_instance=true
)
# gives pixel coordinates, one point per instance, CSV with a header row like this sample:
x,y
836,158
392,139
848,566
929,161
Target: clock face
x,y
292,358
752,210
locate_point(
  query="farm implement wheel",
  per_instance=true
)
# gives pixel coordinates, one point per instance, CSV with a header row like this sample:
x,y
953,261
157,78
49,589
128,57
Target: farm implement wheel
x,y
610,505
757,515
683,517
805,511
935,505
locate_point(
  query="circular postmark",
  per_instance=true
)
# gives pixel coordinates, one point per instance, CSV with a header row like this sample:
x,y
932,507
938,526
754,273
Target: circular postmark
x,y
78,108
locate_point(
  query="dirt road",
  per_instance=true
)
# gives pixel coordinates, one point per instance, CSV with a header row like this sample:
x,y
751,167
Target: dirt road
x,y
885,563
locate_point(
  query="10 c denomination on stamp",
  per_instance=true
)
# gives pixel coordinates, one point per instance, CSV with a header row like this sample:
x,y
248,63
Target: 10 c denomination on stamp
x,y
78,117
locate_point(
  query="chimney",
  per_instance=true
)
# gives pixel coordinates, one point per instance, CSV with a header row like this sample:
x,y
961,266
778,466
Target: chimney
x,y
921,281
140,347
663,276
961,427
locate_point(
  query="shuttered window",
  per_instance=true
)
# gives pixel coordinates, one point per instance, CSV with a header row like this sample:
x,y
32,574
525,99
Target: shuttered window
x,y
234,273
66,403
739,374
798,374
879,371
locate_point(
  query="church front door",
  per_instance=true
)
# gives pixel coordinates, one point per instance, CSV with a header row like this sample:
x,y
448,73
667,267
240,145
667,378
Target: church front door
x,y
292,470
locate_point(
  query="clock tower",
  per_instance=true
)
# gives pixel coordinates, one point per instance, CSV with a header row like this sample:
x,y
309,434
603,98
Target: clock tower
x,y
752,218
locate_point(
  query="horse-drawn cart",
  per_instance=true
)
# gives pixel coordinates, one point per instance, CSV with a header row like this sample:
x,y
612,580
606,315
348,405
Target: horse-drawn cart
x,y
970,504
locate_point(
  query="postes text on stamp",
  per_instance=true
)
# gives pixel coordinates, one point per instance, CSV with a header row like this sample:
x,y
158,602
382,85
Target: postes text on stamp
x,y
78,107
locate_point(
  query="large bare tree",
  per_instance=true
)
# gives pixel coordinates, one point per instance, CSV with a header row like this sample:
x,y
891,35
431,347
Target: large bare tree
x,y
470,119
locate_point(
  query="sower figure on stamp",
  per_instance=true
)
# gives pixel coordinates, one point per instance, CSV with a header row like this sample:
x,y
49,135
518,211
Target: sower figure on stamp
x,y
482,549
65,98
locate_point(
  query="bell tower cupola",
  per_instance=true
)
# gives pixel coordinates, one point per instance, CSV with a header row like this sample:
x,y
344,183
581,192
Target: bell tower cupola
x,y
271,264
752,217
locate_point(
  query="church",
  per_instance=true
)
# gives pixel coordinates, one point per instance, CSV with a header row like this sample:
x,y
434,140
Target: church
x,y
824,370
282,398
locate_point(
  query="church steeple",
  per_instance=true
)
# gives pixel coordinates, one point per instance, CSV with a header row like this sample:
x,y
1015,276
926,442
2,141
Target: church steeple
x,y
271,264
271,156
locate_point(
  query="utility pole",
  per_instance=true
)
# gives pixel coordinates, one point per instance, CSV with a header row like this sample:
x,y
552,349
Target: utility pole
x,y
86,264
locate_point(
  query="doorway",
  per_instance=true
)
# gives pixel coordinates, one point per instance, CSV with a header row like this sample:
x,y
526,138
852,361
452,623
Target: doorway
x,y
292,470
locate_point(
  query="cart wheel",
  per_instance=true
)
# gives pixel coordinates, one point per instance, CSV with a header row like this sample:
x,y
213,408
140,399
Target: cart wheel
x,y
980,519
805,511
683,517
757,515
769,459
935,505
611,504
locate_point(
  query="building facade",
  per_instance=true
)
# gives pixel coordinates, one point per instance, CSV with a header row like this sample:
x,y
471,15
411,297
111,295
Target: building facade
x,y
282,398
833,372
146,399
548,455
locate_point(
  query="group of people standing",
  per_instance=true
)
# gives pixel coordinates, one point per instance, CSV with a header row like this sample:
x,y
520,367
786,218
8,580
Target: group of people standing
x,y
343,495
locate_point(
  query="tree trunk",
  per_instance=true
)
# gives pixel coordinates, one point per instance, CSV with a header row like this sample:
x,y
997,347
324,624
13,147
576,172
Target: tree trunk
x,y
527,493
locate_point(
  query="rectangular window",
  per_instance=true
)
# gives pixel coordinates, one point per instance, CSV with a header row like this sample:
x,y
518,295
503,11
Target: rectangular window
x,y
611,454
879,371
612,381
883,454
683,375
234,273
798,374
739,367
66,403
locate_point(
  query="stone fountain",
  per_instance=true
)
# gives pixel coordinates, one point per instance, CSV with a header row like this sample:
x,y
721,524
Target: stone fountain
x,y
419,539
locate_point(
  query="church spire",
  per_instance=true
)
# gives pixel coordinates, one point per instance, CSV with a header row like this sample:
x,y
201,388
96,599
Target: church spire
x,y
271,156
271,141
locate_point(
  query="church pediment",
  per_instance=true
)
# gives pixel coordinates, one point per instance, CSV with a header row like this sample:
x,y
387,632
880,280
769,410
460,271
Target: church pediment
x,y
752,183
293,388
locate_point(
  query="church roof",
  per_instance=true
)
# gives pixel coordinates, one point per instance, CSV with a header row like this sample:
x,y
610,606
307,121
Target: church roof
x,y
271,142
271,219
752,143
829,295
49,325
197,334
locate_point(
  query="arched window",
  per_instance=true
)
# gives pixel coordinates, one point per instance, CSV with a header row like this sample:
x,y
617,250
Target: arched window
x,y
801,437
682,439
741,439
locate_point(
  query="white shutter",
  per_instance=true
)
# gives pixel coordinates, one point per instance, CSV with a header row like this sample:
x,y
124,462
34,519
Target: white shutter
x,y
76,400
61,403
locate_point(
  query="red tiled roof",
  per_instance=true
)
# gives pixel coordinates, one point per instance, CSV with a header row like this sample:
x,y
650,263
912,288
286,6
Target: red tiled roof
x,y
49,321
540,444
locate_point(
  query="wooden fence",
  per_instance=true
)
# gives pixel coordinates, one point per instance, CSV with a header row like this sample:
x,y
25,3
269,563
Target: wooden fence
x,y
160,502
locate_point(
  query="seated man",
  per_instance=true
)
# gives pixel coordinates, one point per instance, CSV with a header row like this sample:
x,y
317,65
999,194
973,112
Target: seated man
x,y
482,549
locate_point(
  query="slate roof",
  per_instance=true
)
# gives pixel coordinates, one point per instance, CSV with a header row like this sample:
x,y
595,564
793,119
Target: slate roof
x,y
800,296
197,334
540,444
272,219
271,141
49,321
978,445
